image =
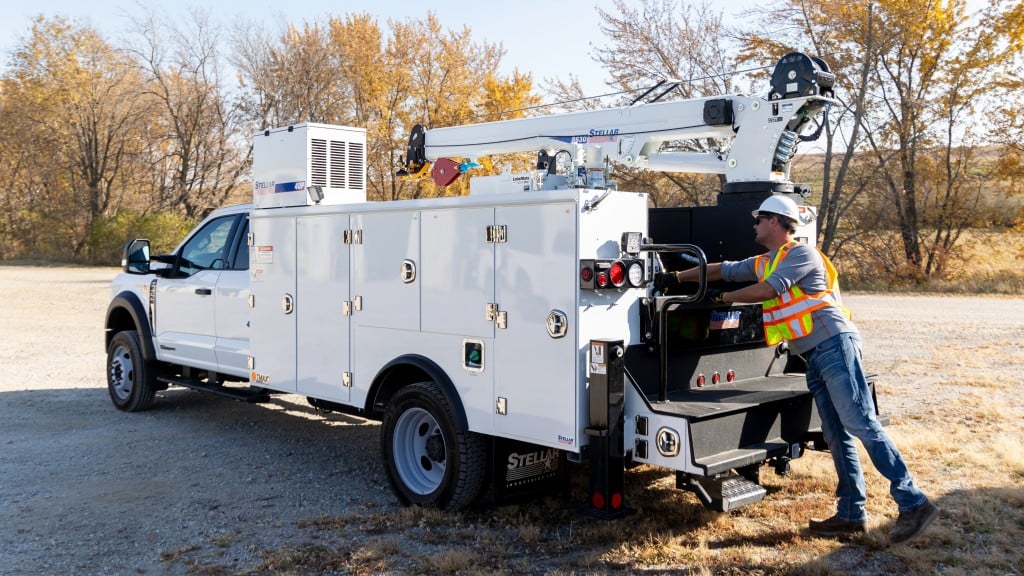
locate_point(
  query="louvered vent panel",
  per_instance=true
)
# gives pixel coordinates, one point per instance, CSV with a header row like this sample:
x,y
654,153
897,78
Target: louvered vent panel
x,y
356,165
318,162
337,164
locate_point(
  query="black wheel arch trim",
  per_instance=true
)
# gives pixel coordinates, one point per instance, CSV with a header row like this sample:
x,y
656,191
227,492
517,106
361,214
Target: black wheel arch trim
x,y
129,302
395,375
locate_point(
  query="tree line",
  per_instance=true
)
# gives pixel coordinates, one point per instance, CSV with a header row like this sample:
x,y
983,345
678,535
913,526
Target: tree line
x,y
102,141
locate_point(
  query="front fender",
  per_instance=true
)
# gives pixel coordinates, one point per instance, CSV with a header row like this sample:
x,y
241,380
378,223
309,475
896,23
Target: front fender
x,y
126,312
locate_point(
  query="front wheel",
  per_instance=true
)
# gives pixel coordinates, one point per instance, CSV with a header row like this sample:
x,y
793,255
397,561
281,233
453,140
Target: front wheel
x,y
427,461
130,379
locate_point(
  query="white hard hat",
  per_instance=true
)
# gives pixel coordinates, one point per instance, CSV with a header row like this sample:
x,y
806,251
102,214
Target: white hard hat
x,y
781,205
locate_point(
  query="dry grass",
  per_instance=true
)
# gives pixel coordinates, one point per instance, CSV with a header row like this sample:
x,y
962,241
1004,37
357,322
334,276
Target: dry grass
x,y
982,262
973,467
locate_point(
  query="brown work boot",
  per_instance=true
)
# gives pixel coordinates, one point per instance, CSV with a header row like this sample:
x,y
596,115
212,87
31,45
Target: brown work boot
x,y
836,526
912,523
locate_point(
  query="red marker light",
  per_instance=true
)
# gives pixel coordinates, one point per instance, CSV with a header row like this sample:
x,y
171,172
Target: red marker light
x,y
618,274
716,378
586,274
700,381
730,375
597,500
602,279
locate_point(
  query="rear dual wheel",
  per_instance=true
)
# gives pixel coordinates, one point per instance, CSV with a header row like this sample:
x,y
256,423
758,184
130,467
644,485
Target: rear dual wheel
x,y
427,460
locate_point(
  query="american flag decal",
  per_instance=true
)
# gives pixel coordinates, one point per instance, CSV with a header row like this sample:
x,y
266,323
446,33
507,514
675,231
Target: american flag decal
x,y
724,320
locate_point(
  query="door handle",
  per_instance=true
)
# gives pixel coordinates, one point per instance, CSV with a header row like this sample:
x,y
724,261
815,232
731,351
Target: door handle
x,y
408,271
204,291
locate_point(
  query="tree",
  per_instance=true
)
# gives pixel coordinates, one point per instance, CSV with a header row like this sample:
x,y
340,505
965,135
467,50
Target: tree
x,y
15,173
194,157
921,69
78,97
681,43
796,26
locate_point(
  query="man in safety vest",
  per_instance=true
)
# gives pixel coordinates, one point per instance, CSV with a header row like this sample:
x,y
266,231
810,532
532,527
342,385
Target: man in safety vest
x,y
799,292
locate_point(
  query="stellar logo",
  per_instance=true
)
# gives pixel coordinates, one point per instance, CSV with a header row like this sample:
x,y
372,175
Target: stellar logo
x,y
263,187
546,458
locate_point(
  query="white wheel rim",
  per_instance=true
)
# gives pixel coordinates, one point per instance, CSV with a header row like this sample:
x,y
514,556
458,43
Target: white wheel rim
x,y
419,451
122,371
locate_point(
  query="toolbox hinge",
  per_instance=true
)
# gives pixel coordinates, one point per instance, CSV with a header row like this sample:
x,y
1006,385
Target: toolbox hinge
x,y
497,234
353,236
499,317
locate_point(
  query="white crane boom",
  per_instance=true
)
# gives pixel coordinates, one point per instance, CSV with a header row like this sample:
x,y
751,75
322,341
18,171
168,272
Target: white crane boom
x,y
763,132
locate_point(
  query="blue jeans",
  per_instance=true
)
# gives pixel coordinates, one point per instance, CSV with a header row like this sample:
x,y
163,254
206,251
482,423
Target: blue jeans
x,y
837,382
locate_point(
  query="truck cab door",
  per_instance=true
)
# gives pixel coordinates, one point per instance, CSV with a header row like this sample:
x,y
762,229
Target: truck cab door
x,y
185,300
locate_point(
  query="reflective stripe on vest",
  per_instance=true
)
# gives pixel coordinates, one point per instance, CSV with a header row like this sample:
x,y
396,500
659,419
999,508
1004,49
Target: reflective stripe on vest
x,y
788,315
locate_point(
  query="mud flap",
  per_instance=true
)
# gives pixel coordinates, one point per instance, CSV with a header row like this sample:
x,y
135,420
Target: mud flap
x,y
521,471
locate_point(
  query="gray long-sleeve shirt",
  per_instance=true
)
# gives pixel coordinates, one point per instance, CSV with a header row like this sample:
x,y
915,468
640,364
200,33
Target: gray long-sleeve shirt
x,y
803,267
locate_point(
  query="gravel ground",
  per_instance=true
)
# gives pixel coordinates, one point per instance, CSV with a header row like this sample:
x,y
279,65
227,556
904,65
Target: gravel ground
x,y
86,489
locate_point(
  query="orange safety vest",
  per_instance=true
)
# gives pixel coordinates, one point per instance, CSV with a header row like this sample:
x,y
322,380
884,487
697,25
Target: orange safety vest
x,y
788,315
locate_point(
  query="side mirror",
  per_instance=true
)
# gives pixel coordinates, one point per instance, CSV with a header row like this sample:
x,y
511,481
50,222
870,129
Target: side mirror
x,y
135,258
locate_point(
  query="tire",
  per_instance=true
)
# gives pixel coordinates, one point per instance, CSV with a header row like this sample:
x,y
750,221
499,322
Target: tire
x,y
427,461
130,378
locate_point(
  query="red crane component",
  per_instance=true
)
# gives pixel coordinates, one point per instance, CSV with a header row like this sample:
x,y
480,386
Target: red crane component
x,y
445,171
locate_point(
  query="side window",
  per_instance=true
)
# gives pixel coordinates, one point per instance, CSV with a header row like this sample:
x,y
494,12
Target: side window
x,y
208,249
241,259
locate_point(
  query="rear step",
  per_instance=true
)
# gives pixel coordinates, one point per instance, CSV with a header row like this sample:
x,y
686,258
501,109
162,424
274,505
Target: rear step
x,y
741,457
247,394
721,493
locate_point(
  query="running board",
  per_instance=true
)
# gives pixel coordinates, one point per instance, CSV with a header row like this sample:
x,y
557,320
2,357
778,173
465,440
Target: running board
x,y
247,394
721,493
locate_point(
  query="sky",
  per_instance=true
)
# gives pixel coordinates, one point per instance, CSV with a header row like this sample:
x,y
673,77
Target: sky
x,y
547,38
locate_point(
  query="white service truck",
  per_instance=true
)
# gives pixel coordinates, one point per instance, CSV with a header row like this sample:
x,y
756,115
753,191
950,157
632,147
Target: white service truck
x,y
500,335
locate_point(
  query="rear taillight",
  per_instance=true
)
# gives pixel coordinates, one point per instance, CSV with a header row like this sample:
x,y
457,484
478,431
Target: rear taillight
x,y
617,274
607,274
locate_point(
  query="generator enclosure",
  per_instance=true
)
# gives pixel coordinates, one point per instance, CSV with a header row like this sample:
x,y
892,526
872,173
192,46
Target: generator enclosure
x,y
289,161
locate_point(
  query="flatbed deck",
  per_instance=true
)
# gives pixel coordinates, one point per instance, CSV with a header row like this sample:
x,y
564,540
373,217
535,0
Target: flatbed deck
x,y
721,399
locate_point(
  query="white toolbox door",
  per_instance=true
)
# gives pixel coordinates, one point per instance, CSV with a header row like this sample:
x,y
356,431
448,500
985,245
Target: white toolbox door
x,y
323,346
457,272
535,373
272,270
387,241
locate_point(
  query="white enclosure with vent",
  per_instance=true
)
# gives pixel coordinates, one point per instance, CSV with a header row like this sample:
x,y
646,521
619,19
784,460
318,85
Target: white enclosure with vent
x,y
286,162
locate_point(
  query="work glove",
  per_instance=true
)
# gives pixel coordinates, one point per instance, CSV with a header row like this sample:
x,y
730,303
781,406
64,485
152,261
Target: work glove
x,y
664,281
714,295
